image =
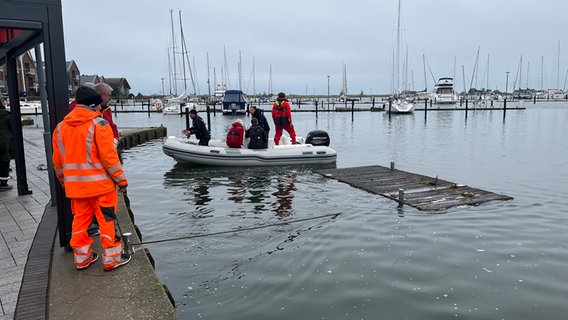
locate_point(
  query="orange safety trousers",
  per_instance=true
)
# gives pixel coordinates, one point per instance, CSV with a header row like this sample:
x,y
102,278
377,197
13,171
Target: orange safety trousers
x,y
102,207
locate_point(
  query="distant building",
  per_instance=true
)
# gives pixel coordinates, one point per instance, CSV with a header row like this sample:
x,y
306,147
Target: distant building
x,y
92,78
28,83
73,77
120,87
27,78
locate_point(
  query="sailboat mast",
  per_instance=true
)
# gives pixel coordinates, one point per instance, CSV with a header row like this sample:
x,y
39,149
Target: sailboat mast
x,y
183,53
226,74
270,81
344,80
528,71
397,51
542,73
174,67
253,78
424,67
520,72
474,74
558,68
208,76
240,70
194,80
487,84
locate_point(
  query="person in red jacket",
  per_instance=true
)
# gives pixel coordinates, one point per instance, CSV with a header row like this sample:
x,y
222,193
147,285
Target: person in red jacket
x,y
105,91
236,134
282,117
86,164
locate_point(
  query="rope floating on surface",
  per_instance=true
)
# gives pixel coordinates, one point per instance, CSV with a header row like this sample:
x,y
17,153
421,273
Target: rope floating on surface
x,y
331,215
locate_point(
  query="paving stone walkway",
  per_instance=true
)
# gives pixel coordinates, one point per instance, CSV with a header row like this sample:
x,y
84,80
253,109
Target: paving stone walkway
x,y
19,219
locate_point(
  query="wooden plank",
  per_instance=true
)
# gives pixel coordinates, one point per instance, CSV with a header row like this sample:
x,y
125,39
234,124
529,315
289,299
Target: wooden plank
x,y
420,191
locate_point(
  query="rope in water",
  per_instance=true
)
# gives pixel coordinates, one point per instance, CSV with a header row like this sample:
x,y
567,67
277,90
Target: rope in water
x,y
331,215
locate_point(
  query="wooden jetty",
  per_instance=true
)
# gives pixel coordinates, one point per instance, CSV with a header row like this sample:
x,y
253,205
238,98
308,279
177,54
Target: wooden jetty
x,y
419,191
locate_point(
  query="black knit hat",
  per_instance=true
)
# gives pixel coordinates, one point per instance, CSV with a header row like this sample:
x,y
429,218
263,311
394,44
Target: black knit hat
x,y
281,95
193,111
88,96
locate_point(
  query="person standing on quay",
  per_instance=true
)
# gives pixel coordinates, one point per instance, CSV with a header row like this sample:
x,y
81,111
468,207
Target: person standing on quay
x,y
282,116
86,164
105,91
6,146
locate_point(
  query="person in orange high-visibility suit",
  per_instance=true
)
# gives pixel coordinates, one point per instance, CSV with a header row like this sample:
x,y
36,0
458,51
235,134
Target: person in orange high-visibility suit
x,y
282,116
86,164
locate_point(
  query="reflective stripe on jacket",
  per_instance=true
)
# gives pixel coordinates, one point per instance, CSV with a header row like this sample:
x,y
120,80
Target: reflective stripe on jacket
x,y
84,157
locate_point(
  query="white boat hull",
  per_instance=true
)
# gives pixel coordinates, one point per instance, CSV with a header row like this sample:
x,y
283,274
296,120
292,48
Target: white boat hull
x,y
445,98
218,154
401,106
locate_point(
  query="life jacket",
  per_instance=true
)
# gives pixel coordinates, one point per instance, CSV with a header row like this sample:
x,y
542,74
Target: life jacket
x,y
258,138
235,135
280,114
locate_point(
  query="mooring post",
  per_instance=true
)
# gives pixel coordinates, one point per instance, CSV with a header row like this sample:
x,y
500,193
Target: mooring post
x,y
209,117
352,109
392,165
126,243
400,197
186,118
425,108
317,102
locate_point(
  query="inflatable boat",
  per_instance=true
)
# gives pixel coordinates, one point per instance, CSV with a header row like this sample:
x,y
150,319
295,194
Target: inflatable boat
x,y
315,150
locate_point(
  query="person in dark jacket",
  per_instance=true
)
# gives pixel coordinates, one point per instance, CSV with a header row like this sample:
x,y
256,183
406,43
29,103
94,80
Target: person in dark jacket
x,y
6,145
259,115
199,129
257,135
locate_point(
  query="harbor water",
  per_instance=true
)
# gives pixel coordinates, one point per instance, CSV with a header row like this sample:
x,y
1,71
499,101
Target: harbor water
x,y
260,243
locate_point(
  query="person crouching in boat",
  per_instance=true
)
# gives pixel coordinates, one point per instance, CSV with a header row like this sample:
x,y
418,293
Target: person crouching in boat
x,y
199,129
258,136
236,134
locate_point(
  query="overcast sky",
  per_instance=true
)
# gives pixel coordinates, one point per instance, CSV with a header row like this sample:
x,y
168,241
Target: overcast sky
x,y
304,41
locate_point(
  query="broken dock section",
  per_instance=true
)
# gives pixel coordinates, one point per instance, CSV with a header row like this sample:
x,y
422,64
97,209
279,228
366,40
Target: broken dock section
x,y
419,191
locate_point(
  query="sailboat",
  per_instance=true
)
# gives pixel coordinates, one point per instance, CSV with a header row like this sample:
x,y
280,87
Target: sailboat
x,y
176,103
399,103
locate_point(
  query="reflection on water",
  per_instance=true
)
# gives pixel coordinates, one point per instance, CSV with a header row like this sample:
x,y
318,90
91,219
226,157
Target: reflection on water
x,y
284,195
263,187
500,260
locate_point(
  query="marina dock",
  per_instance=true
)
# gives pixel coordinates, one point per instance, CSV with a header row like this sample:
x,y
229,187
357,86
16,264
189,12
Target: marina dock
x,y
419,191
39,279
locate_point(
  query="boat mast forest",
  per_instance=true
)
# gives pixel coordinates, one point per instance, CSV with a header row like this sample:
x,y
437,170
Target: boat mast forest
x,y
179,67
399,103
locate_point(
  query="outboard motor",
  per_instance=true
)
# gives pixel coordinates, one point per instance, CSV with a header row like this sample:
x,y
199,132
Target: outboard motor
x,y
318,138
